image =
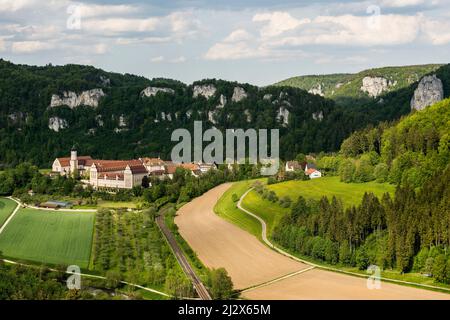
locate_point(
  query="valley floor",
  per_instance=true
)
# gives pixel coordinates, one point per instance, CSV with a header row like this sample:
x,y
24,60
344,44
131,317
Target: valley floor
x,y
250,263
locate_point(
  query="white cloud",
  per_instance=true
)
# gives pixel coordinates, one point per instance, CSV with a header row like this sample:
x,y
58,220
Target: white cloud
x,y
94,10
437,32
15,5
402,3
30,46
120,25
179,59
2,45
278,22
242,45
157,59
354,30
231,51
281,35
100,48
238,35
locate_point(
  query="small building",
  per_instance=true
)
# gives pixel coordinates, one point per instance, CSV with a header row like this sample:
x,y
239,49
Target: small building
x,y
312,172
153,164
292,166
52,204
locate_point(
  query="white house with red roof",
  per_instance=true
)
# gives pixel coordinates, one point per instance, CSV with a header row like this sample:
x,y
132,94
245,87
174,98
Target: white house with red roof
x,y
312,172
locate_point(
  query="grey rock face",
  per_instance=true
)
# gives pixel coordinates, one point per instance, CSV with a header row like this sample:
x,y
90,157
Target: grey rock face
x,y
318,116
211,115
267,97
283,116
152,91
88,98
317,89
238,94
207,91
374,86
222,102
56,124
429,91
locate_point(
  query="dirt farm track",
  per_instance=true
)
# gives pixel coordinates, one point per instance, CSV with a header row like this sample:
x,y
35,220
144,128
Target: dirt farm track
x,y
219,243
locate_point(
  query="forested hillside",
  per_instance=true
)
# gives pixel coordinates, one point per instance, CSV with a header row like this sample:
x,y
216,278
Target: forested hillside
x,y
407,232
45,110
346,89
409,152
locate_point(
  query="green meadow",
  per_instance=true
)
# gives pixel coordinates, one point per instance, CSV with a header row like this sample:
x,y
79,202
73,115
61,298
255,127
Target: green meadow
x,y
52,237
226,208
271,213
7,206
349,193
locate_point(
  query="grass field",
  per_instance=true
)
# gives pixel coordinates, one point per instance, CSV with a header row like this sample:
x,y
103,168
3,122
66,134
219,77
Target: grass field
x,y
49,237
226,209
108,204
7,206
349,193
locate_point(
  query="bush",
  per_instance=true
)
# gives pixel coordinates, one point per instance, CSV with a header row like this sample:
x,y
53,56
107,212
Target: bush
x,y
381,172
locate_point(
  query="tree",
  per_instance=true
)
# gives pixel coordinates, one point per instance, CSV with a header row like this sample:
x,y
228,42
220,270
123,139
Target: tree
x,y
145,182
221,284
439,268
113,279
346,170
362,259
381,172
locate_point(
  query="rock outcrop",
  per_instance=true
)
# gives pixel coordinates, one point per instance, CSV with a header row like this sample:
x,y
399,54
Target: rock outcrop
x,y
206,90
374,86
152,91
429,91
122,121
318,116
56,124
88,98
283,116
238,94
166,116
99,120
222,102
248,116
317,90
267,97
211,116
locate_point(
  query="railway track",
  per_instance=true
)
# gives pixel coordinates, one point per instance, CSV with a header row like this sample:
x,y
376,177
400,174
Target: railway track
x,y
181,258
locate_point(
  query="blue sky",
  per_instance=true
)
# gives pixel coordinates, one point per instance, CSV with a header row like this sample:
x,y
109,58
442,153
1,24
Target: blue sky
x,y
259,42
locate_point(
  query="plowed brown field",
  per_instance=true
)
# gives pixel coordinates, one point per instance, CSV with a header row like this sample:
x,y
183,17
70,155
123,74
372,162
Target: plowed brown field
x,y
219,243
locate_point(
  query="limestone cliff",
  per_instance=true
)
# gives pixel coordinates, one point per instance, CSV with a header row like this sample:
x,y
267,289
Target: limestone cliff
x,y
88,98
429,91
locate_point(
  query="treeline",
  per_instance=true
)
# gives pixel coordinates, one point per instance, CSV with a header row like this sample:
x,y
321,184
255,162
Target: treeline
x,y
409,232
22,283
409,152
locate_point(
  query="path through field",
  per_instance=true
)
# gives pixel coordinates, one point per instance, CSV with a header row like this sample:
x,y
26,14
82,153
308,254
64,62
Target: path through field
x,y
219,243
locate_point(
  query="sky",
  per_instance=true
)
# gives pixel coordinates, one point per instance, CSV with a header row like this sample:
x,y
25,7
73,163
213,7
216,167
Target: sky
x,y
259,42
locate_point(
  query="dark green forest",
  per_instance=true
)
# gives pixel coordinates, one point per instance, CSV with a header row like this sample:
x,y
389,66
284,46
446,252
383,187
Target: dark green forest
x,y
26,91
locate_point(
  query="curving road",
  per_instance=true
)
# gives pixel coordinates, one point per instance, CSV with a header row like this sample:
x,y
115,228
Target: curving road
x,y
263,273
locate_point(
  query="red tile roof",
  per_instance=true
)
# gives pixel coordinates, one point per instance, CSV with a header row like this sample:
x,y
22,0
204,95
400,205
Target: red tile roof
x,y
82,160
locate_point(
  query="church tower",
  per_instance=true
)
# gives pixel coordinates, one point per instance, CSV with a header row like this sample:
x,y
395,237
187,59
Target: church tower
x,y
73,161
